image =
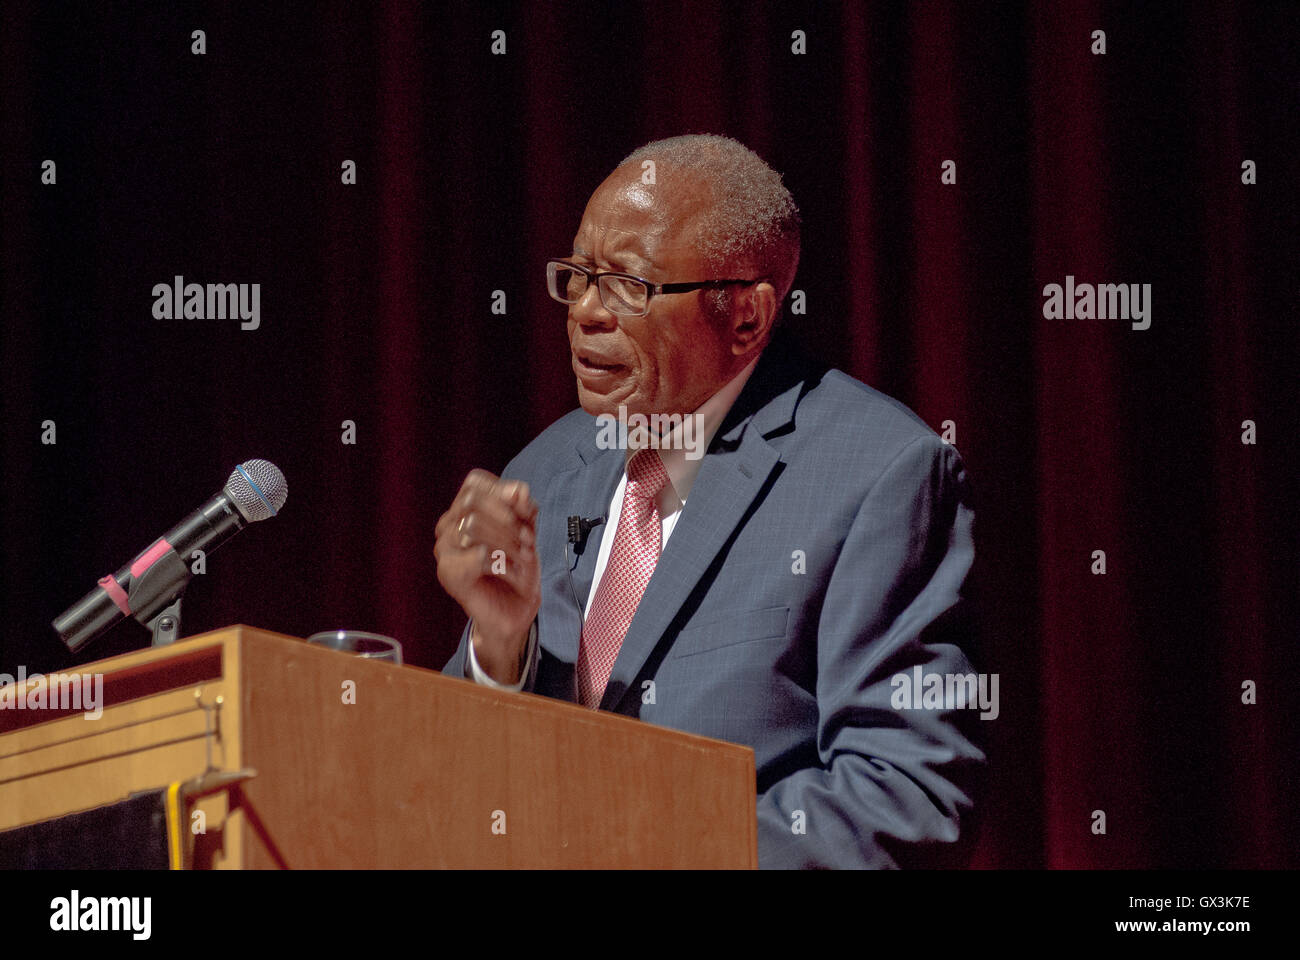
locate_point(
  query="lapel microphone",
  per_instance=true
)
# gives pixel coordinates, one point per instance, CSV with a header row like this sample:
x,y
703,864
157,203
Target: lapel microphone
x,y
579,527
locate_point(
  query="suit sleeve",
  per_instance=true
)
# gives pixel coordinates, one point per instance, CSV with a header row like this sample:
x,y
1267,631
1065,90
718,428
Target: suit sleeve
x,y
897,785
462,664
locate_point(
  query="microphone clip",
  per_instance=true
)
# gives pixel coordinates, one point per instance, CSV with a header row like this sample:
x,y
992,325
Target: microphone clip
x,y
579,527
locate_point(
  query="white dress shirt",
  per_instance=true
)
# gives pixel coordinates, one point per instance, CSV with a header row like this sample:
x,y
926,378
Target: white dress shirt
x,y
681,477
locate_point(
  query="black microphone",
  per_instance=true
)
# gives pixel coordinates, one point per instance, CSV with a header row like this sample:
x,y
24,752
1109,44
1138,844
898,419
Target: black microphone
x,y
579,527
256,490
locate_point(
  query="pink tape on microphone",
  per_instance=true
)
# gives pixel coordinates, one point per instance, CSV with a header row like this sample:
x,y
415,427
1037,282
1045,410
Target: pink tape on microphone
x,y
116,593
150,556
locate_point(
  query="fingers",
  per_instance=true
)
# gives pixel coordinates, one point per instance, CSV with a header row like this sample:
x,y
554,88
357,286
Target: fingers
x,y
499,501
496,520
477,486
500,498
497,505
513,493
488,526
517,495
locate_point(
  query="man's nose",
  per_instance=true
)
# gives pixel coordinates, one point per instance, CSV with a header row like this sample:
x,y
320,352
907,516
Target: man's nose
x,y
589,311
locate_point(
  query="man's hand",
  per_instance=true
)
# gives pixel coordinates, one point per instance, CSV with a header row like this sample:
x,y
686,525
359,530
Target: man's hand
x,y
489,515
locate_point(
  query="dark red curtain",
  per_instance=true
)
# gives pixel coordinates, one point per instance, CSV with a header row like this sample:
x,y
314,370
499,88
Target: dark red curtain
x,y
1121,692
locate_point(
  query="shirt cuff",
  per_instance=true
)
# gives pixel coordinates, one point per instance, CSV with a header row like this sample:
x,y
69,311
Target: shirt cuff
x,y
479,675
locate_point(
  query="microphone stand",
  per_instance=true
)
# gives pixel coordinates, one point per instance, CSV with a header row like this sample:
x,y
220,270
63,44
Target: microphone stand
x,y
155,597
166,626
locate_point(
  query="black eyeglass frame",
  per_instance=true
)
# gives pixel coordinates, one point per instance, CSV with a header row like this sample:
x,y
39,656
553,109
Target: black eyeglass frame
x,y
653,289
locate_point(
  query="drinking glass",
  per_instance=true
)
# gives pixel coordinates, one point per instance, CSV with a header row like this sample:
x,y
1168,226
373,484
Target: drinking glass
x,y
370,646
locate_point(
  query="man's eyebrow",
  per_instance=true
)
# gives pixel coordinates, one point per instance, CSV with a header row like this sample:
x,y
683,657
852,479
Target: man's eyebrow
x,y
617,258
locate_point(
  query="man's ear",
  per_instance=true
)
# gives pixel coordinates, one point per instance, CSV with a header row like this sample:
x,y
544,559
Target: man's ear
x,y
752,320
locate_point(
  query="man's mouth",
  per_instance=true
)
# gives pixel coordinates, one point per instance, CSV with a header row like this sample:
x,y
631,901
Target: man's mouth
x,y
593,365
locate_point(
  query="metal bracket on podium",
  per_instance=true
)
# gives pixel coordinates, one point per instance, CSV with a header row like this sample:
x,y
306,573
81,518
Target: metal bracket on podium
x,y
166,625
214,781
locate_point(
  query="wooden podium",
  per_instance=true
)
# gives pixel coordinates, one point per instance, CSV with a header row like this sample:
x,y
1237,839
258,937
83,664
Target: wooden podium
x,y
362,764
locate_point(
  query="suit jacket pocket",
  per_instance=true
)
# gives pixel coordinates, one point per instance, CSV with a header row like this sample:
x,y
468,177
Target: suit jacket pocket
x,y
743,626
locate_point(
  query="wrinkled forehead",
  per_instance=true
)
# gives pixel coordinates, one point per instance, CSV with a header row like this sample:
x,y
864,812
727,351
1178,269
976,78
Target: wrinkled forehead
x,y
648,221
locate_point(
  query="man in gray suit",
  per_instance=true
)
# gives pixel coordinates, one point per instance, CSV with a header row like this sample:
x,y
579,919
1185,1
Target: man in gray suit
x,y
791,588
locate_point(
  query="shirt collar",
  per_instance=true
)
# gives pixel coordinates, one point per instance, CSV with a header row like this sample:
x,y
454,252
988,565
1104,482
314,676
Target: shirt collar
x,y
681,470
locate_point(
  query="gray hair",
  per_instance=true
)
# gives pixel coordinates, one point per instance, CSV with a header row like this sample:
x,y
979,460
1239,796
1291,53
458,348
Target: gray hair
x,y
752,223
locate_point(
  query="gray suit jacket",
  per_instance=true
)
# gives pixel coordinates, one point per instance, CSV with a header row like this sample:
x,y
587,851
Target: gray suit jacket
x,y
824,550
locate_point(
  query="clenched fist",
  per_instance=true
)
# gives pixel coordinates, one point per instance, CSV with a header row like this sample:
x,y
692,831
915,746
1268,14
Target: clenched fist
x,y
490,515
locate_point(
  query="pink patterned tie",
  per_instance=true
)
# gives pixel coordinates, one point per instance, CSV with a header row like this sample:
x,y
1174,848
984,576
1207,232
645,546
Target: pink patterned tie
x,y
631,561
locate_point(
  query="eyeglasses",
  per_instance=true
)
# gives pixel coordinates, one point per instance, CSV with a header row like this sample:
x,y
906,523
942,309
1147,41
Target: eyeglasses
x,y
621,293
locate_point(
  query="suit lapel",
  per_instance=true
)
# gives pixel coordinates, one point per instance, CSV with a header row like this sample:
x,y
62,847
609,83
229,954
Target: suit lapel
x,y
583,490
736,469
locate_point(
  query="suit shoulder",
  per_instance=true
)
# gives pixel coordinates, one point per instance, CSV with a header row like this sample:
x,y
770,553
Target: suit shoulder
x,y
550,448
854,430
846,412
